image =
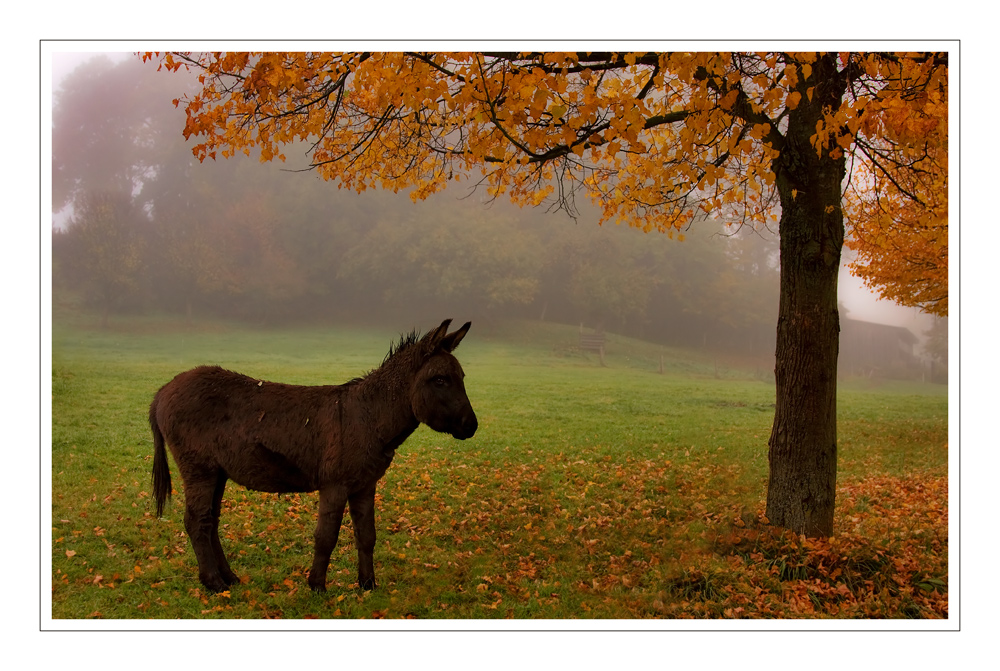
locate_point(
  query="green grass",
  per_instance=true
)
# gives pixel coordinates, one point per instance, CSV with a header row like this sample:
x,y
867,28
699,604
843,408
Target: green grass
x,y
588,492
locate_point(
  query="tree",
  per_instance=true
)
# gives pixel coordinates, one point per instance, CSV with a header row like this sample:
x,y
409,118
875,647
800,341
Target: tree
x,y
102,250
741,293
901,230
936,349
651,138
114,172
606,285
433,256
105,119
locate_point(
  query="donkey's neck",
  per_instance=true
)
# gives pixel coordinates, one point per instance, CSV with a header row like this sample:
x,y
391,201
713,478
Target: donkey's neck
x,y
386,392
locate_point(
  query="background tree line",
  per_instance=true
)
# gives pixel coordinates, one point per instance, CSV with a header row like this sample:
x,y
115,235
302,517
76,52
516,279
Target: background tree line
x,y
143,226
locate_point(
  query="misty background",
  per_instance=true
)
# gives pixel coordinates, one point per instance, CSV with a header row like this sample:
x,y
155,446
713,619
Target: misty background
x,y
140,226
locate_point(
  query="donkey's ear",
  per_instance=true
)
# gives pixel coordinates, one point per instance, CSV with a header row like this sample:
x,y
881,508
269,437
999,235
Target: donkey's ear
x,y
434,338
451,340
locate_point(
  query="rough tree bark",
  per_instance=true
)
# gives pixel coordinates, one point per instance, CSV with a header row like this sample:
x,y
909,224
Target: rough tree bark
x,y
803,443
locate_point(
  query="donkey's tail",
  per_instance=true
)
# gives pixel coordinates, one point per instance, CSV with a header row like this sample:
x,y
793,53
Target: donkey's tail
x,y
161,470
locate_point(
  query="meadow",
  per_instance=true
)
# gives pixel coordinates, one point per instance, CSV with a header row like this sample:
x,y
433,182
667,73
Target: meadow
x,y
614,492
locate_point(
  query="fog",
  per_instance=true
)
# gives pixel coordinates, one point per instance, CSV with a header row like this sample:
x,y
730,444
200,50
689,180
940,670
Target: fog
x,y
243,240
864,304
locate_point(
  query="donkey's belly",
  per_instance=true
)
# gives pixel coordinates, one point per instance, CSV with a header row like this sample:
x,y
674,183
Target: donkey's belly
x,y
264,470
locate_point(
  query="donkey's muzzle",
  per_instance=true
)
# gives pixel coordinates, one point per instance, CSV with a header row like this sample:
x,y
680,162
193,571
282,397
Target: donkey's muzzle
x,y
467,428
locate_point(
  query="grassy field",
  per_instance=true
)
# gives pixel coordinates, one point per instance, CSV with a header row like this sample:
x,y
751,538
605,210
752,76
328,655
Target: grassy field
x,y
588,492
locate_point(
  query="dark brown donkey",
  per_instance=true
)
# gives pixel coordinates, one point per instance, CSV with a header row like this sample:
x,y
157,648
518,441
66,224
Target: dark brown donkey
x,y
338,439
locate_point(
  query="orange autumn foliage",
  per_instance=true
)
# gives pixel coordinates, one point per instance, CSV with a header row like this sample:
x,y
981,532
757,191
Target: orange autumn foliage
x,y
898,198
651,138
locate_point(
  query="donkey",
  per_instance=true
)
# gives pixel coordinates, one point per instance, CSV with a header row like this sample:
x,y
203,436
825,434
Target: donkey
x,y
271,437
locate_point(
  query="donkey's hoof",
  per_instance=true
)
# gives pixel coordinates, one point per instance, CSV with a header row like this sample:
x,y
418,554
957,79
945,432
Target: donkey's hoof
x,y
317,587
367,585
214,583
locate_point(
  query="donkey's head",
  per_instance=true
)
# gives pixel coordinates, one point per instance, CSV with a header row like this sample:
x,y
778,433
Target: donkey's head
x,y
438,393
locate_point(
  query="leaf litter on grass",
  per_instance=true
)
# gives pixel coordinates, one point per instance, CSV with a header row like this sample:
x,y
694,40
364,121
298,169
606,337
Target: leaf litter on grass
x,y
605,514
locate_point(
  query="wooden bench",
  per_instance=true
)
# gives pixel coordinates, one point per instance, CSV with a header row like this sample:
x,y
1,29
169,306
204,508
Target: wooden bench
x,y
593,342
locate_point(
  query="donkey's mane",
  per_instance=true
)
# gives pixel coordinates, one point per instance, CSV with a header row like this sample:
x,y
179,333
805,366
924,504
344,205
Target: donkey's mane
x,y
405,340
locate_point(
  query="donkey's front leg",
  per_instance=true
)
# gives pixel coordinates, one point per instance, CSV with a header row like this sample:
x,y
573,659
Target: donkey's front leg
x,y
331,513
363,516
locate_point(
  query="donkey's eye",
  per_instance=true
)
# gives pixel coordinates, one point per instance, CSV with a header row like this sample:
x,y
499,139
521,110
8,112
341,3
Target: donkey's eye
x,y
439,381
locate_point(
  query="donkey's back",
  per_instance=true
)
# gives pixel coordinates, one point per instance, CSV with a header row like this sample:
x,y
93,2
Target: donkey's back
x,y
266,436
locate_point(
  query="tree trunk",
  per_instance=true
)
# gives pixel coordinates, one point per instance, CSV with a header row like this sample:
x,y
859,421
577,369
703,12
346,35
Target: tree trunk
x,y
803,444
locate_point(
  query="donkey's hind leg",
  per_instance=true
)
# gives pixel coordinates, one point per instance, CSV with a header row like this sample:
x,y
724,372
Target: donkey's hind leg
x,y
200,520
228,576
